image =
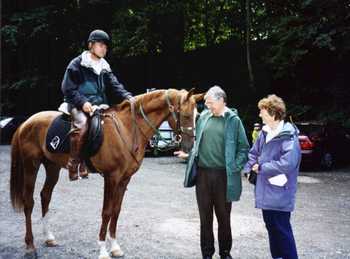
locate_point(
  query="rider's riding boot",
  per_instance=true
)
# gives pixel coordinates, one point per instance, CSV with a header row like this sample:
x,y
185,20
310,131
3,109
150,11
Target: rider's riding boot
x,y
74,158
76,143
83,173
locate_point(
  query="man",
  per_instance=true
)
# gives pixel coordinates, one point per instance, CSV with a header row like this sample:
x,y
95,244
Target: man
x,y
221,149
87,79
256,131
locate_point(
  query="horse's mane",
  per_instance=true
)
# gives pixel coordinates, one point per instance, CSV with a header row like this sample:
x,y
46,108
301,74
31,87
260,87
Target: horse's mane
x,y
139,99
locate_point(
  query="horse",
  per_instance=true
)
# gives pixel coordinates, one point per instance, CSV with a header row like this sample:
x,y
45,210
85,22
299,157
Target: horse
x,y
127,129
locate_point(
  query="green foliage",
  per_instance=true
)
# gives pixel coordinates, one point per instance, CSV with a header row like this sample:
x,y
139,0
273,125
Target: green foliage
x,y
143,28
25,83
9,34
211,22
311,26
25,26
305,39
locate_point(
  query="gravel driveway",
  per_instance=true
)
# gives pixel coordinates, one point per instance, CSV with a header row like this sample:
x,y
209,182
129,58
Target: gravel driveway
x,y
159,218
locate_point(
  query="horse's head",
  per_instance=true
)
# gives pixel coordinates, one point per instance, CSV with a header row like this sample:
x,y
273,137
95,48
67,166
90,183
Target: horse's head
x,y
182,116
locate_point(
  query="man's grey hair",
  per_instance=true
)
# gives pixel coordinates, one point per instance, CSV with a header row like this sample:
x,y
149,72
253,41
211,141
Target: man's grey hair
x,y
216,93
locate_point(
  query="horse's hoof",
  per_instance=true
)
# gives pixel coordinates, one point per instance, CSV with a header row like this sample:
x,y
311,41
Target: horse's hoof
x,y
30,248
30,252
51,243
104,257
117,253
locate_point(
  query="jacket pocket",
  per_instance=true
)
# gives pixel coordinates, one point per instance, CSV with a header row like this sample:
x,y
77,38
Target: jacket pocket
x,y
276,197
88,88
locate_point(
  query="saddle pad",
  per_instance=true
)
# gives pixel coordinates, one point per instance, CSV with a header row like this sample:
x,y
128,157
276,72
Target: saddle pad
x,y
58,141
57,137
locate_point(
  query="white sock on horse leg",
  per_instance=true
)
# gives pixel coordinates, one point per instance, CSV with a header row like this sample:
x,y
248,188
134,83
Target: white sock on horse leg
x,y
46,228
103,250
115,248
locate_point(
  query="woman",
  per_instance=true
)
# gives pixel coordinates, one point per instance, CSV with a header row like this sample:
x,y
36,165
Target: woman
x,y
275,157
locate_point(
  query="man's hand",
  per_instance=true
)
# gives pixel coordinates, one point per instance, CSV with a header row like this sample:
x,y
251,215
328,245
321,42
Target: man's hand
x,y
255,168
87,107
181,154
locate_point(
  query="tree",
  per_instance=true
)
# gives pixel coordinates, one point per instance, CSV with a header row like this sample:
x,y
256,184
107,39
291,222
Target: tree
x,y
248,29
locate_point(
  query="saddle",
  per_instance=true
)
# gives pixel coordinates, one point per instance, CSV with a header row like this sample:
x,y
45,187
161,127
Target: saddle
x,y
58,141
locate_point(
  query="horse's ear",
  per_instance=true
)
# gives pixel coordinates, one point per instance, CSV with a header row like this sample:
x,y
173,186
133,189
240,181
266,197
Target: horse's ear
x,y
190,93
198,97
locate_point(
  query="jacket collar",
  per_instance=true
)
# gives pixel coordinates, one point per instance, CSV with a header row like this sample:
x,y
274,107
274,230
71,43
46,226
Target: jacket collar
x,y
271,133
274,131
288,129
222,114
96,66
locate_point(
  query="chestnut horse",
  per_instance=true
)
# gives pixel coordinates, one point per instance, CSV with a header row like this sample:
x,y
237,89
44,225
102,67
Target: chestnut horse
x,y
127,129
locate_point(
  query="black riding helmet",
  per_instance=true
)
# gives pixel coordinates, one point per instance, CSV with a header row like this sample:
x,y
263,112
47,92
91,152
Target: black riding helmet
x,y
99,36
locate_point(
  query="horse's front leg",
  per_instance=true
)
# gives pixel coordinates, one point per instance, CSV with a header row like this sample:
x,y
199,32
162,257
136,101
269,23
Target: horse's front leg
x,y
116,251
110,192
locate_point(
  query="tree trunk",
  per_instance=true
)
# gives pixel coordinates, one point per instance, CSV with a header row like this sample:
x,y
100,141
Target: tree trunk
x,y
206,23
247,41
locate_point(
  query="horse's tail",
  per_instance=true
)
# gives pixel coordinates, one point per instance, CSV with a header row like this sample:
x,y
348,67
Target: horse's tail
x,y
17,173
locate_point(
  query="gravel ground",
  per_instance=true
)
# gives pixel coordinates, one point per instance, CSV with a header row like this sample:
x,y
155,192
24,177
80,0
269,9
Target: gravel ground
x,y
159,218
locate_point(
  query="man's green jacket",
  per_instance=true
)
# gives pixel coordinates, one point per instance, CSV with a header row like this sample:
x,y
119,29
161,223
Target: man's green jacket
x,y
236,151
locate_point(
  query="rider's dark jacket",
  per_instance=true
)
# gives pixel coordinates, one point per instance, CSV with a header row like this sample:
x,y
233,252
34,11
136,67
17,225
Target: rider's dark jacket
x,y
81,84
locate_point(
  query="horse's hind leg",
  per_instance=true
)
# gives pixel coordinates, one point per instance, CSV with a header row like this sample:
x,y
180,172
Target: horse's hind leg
x,y
30,173
52,175
116,251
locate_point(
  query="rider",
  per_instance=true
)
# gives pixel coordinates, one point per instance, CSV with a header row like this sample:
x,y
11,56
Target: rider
x,y
86,81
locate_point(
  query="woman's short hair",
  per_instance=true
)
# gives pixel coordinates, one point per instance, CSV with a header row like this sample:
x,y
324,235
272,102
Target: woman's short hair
x,y
216,93
274,105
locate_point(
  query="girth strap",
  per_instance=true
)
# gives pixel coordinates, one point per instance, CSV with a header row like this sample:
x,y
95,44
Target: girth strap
x,y
117,126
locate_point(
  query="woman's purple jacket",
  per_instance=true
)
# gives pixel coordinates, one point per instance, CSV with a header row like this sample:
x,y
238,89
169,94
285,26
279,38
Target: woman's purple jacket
x,y
281,155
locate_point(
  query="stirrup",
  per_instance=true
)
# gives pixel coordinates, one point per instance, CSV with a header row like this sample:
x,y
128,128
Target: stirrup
x,y
72,167
83,173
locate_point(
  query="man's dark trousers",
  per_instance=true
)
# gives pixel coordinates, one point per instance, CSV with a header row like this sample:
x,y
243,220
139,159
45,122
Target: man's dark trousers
x,y
211,195
282,243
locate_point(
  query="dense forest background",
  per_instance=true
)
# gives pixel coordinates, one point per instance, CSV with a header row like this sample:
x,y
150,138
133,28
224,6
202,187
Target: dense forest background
x,y
298,49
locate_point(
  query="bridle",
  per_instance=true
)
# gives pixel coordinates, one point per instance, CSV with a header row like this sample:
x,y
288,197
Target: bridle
x,y
176,114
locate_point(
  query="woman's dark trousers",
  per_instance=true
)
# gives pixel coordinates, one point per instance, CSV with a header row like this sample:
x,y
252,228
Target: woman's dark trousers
x,y
281,238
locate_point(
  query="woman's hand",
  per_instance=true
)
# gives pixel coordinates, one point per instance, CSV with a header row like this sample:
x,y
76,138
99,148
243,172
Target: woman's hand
x,y
255,168
181,154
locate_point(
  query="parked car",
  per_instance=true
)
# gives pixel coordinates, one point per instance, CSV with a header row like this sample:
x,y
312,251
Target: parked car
x,y
322,144
8,126
164,143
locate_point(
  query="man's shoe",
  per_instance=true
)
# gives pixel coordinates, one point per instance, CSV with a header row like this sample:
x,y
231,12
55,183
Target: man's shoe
x,y
226,257
207,257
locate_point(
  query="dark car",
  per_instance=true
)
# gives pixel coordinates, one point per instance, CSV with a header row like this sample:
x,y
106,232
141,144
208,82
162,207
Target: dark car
x,y
323,144
8,126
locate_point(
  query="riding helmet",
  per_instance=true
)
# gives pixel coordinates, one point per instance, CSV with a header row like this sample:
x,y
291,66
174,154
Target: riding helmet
x,y
99,36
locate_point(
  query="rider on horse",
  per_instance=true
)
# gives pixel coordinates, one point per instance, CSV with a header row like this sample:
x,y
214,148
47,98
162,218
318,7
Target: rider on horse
x,y
86,81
